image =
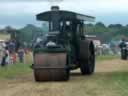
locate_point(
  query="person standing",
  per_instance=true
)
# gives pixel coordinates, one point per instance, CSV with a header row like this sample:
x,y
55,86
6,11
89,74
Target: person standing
x,y
1,52
11,47
123,47
21,55
5,59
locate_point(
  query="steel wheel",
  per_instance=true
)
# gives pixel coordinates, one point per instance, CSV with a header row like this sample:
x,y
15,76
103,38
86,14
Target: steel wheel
x,y
87,66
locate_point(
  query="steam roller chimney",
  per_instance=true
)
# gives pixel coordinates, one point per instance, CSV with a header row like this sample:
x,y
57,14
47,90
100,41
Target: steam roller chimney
x,y
55,8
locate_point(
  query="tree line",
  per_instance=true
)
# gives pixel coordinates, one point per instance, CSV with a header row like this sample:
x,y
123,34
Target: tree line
x,y
107,33
103,32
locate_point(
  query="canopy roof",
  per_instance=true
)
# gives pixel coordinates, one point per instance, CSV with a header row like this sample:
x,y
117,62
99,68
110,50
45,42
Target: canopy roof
x,y
64,15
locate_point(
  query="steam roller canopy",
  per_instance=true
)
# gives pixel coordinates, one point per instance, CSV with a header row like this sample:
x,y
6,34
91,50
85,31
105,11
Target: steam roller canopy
x,y
50,67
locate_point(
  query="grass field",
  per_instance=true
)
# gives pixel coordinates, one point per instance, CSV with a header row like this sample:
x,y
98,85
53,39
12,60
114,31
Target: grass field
x,y
110,79
10,71
106,57
4,36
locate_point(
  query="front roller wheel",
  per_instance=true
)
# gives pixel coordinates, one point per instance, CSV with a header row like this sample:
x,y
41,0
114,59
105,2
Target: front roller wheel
x,y
50,67
51,75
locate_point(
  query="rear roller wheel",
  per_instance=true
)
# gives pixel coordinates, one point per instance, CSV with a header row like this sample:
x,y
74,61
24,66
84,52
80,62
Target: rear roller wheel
x,y
87,63
87,66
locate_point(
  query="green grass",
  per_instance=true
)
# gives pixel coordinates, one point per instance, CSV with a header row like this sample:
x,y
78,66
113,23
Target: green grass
x,y
114,82
106,57
4,36
99,84
11,71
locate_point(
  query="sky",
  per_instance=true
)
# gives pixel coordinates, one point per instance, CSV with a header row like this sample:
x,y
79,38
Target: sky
x,y
18,13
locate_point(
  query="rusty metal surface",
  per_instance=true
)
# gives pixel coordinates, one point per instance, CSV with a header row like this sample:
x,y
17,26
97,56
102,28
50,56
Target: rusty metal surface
x,y
50,59
50,74
52,67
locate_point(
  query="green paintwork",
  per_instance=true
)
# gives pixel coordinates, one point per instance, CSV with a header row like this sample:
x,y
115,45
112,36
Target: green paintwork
x,y
49,50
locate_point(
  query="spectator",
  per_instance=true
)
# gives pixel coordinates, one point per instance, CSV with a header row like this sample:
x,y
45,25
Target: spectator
x,y
7,60
1,52
122,44
11,47
5,56
21,55
13,58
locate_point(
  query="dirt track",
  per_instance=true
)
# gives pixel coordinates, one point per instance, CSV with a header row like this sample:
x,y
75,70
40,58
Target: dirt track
x,y
77,85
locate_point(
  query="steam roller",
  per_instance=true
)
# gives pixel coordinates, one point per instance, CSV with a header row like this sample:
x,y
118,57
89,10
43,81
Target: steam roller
x,y
64,47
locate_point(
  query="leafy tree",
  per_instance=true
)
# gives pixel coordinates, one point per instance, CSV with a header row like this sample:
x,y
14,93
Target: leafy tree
x,y
100,27
27,33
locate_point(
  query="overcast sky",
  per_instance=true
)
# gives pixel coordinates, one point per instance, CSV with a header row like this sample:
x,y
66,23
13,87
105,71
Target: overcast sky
x,y
18,13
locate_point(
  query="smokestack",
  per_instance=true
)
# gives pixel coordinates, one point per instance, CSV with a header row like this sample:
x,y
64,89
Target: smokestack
x,y
55,8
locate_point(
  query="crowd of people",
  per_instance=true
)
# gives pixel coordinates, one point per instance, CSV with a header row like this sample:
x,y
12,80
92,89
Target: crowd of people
x,y
9,54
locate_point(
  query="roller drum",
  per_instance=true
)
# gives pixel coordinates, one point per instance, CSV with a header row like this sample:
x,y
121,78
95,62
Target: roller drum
x,y
50,67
